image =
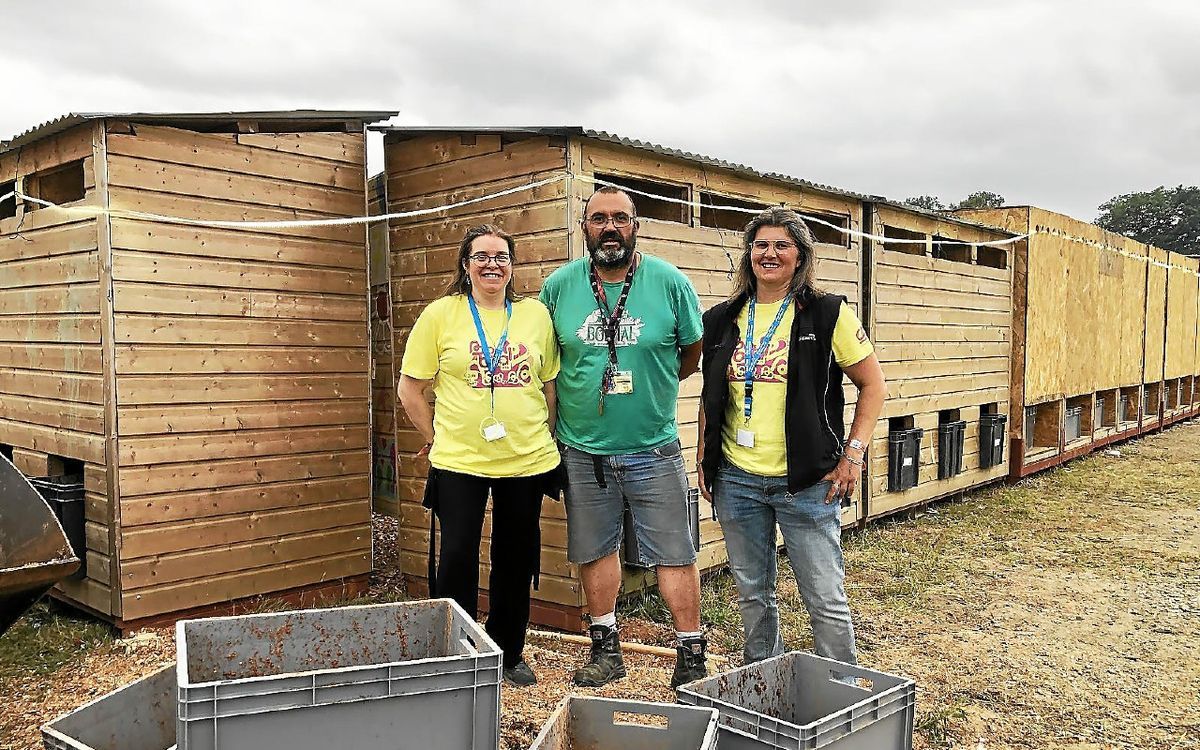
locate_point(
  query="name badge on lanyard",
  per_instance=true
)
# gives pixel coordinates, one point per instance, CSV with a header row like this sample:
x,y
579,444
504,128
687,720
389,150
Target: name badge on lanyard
x,y
491,429
745,437
612,381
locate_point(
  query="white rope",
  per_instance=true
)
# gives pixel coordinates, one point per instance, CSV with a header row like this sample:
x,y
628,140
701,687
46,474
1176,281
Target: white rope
x,y
294,224
807,217
355,220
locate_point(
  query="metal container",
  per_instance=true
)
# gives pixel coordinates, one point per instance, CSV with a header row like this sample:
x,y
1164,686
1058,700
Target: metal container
x,y
800,701
34,551
581,723
414,674
139,716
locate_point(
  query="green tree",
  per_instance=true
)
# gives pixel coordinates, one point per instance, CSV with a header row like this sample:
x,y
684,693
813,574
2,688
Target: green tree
x,y
980,199
1165,217
927,202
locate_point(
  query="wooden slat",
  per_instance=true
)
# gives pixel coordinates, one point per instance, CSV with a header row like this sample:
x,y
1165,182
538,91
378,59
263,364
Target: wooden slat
x,y
78,268
78,236
152,329
53,440
343,147
190,271
67,415
201,564
182,300
208,503
51,385
177,418
142,359
198,182
242,443
222,151
231,473
232,586
180,536
235,244
149,389
50,329
76,298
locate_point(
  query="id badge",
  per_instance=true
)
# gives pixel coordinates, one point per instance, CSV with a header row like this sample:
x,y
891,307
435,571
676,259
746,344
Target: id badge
x,y
494,431
745,438
622,383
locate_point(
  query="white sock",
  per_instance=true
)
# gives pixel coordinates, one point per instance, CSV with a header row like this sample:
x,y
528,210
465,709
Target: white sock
x,y
609,620
681,636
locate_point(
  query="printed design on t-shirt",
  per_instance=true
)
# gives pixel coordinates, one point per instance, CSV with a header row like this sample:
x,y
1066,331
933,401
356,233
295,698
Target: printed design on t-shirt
x,y
512,372
772,367
629,330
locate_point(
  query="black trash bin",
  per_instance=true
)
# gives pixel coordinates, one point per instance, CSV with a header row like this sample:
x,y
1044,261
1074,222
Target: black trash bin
x,y
64,495
991,439
904,459
951,440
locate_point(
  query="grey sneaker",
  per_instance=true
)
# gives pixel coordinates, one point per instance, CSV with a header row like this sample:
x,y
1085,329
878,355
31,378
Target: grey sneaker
x,y
690,662
605,663
520,675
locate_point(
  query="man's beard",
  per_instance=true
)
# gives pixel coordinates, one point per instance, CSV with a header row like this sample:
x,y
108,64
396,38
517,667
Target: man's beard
x,y
614,258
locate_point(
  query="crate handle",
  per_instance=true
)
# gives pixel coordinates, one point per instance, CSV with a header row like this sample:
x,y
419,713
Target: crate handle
x,y
648,719
729,723
860,682
468,644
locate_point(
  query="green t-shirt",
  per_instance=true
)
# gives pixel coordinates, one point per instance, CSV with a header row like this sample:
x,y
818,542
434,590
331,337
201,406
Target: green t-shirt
x,y
661,315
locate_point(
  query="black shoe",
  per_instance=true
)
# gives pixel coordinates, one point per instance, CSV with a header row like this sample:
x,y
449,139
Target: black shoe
x,y
605,663
690,663
519,675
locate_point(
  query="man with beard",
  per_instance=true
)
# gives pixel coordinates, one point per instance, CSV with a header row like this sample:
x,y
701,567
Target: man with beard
x,y
629,328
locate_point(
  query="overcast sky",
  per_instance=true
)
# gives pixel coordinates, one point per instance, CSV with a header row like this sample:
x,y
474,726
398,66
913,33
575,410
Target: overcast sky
x,y
1058,104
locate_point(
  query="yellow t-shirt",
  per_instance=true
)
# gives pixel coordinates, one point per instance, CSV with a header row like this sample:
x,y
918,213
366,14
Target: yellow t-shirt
x,y
444,347
768,457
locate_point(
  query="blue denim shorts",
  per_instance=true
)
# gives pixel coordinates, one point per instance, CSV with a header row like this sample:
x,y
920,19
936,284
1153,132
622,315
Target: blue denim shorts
x,y
654,484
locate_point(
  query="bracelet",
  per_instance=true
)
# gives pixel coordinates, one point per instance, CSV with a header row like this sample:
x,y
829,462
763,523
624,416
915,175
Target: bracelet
x,y
856,461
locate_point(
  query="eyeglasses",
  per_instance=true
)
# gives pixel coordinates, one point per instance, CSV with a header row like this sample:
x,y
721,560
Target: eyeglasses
x,y
781,246
500,259
599,221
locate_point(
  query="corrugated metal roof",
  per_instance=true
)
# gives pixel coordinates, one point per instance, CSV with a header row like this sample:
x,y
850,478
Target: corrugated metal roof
x,y
655,148
196,121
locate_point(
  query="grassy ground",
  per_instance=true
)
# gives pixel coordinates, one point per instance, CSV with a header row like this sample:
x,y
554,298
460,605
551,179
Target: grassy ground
x,y
1062,612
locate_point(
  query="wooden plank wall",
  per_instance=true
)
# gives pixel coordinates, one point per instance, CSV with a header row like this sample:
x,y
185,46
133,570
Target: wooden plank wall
x,y
438,169
241,366
942,330
51,360
384,497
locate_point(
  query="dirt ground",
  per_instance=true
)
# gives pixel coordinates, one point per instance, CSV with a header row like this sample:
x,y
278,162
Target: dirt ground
x,y
1062,612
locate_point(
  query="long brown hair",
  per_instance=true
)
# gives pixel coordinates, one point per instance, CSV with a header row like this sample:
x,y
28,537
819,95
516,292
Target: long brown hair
x,y
461,282
803,284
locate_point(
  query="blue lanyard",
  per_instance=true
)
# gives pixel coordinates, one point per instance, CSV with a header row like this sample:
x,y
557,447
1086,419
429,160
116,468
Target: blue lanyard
x,y
753,355
490,357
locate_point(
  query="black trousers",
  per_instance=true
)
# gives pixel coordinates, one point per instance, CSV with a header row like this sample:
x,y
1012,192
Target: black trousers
x,y
515,553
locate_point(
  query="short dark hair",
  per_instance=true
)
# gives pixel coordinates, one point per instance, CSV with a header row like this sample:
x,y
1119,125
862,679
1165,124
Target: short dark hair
x,y
610,190
460,283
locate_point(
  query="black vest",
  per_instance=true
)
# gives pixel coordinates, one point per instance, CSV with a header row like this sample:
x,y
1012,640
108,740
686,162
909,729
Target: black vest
x,y
814,430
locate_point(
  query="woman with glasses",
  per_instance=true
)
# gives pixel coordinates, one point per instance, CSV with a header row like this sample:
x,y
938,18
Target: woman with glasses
x,y
774,449
491,358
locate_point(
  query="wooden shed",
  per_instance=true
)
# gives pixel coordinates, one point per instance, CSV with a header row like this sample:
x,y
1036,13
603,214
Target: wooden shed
x,y
940,315
432,167
1089,336
210,384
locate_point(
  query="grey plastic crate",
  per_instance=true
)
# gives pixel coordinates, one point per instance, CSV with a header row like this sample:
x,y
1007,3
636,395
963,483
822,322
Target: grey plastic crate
x,y
1074,426
380,677
139,716
793,701
607,724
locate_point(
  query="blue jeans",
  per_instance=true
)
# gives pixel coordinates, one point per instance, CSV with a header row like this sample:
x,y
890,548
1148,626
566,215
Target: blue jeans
x,y
748,507
654,484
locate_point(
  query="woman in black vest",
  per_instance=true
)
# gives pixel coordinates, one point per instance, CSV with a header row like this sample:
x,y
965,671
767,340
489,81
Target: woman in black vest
x,y
774,449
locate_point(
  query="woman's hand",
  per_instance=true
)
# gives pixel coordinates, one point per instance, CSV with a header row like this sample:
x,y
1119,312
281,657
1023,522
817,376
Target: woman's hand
x,y
843,479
